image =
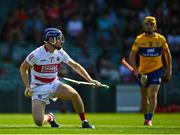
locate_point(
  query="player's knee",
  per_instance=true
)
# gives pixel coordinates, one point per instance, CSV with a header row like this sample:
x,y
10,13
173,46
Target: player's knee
x,y
75,95
39,122
153,96
145,99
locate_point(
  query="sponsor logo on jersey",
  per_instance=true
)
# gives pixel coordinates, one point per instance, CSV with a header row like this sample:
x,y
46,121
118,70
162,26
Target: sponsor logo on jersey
x,y
150,52
49,69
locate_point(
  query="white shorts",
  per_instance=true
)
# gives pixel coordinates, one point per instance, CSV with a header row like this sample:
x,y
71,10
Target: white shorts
x,y
45,92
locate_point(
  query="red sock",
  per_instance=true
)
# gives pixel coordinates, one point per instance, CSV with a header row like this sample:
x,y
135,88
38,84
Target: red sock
x,y
49,118
82,116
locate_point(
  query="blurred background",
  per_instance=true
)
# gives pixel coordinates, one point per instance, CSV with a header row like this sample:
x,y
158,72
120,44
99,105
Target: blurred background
x,y
98,34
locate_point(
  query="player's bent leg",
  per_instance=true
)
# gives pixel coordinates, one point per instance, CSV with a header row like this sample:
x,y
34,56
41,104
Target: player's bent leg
x,y
38,109
66,92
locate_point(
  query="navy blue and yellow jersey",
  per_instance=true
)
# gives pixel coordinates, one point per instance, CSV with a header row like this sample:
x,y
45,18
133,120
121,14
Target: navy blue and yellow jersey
x,y
150,50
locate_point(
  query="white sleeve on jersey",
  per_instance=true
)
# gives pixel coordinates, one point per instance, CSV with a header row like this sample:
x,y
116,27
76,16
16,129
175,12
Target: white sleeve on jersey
x,y
32,58
66,58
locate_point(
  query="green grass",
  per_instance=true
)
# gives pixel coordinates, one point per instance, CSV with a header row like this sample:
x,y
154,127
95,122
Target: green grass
x,y
116,123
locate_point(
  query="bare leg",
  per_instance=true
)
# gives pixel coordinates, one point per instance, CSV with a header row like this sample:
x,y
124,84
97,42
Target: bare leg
x,y
145,100
153,97
38,109
68,93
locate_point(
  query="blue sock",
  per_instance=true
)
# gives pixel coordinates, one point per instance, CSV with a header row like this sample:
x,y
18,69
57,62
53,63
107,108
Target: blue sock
x,y
150,115
146,116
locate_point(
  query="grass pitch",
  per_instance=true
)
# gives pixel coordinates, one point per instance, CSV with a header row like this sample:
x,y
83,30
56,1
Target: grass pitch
x,y
116,123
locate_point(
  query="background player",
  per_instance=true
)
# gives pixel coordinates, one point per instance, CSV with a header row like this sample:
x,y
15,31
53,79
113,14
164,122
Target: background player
x,y
150,46
44,63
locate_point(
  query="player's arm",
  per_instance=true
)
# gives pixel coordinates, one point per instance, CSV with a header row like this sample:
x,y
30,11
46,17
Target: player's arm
x,y
81,71
24,68
132,61
168,59
132,56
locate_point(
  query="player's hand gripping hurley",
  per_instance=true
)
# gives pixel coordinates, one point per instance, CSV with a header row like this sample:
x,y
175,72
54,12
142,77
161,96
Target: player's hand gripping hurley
x,y
142,78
